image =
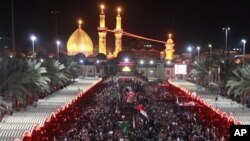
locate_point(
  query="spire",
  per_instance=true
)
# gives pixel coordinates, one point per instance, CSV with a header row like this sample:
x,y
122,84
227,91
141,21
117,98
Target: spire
x,y
102,17
80,23
119,11
102,32
118,19
169,35
102,8
169,50
118,33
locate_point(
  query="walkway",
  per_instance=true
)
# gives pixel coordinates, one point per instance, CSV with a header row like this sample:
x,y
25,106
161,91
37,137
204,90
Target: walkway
x,y
225,105
13,126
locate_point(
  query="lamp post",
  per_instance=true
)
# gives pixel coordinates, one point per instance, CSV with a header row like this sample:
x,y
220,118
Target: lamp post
x,y
198,49
210,63
33,39
12,26
56,20
226,30
58,46
244,44
210,49
81,61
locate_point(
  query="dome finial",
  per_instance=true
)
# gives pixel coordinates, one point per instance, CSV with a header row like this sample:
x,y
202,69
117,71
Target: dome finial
x,y
119,10
102,8
80,23
169,35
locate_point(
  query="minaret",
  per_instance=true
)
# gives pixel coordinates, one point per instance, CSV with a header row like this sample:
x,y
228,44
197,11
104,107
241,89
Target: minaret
x,y
169,48
118,33
102,31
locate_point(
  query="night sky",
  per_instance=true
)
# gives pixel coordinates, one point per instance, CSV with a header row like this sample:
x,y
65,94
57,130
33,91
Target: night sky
x,y
192,22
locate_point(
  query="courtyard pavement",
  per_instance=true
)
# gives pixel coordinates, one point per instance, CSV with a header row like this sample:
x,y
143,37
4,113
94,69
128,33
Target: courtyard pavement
x,y
232,108
13,126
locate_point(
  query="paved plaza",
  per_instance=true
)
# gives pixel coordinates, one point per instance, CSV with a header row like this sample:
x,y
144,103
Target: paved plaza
x,y
232,108
13,126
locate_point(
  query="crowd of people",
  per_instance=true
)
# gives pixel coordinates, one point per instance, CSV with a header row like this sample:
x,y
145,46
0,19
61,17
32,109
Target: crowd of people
x,y
133,110
109,117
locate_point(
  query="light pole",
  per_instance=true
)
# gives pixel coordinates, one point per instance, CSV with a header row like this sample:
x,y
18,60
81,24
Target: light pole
x,y
33,39
198,49
244,44
12,26
58,45
81,61
226,30
210,49
56,20
210,72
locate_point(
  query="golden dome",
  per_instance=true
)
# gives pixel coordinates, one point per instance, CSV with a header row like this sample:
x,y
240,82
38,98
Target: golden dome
x,y
80,42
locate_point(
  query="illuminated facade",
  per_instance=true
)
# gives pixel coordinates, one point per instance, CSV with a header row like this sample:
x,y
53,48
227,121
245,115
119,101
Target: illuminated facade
x,y
169,48
102,32
118,34
80,42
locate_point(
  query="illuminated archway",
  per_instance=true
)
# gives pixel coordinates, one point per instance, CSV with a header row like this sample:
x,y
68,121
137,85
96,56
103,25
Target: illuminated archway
x,y
126,69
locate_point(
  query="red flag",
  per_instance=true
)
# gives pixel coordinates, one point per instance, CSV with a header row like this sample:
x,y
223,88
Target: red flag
x,y
139,107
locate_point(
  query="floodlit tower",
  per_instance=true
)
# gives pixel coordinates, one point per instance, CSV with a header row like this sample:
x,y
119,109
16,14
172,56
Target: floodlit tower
x,y
102,31
118,33
169,48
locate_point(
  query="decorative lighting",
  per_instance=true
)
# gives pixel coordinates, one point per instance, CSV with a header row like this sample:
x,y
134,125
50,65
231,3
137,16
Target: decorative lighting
x,y
119,9
102,7
141,62
126,60
168,62
189,48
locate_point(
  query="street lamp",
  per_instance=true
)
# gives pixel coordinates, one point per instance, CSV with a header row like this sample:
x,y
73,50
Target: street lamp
x,y
81,61
189,49
169,62
210,48
141,62
33,39
198,49
126,60
226,30
58,45
244,44
210,63
151,62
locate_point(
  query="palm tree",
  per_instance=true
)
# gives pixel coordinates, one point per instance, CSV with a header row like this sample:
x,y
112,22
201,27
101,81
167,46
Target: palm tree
x,y
12,79
72,70
55,73
22,78
239,83
39,82
226,69
200,72
3,106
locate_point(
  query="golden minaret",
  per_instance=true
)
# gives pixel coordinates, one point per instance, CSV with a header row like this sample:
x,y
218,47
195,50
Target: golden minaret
x,y
118,33
102,31
169,48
